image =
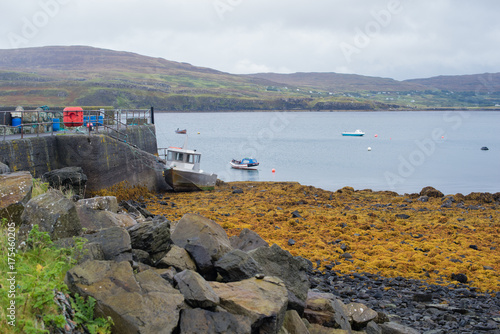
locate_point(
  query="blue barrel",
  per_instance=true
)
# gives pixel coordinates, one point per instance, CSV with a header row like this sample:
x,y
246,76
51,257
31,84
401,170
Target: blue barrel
x,y
101,120
16,121
56,125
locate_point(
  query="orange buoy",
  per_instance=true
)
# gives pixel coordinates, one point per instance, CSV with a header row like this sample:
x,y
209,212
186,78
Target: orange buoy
x,y
376,135
273,170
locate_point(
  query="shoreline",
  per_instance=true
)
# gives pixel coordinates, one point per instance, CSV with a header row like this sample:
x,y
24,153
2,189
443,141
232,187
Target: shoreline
x,y
378,232
328,111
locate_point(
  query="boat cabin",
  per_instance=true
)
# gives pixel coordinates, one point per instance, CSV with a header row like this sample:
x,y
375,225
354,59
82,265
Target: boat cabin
x,y
184,159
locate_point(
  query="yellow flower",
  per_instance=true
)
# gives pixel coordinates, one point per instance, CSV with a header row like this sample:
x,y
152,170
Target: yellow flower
x,y
39,267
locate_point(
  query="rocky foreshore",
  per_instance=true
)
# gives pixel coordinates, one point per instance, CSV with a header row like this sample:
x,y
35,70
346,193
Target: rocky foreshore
x,y
211,273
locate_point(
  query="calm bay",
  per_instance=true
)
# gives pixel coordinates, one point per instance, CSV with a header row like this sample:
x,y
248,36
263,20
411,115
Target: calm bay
x,y
400,151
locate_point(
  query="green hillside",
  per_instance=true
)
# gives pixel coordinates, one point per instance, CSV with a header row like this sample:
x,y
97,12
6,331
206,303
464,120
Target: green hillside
x,y
81,75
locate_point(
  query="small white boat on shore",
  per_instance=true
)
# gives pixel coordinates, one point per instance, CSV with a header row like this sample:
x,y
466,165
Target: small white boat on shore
x,y
357,133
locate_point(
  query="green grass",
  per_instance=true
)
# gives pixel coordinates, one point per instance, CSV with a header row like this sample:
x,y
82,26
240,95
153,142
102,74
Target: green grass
x,y
30,279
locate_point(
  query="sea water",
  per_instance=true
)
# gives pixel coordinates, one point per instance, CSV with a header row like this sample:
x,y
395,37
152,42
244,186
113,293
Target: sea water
x,y
400,151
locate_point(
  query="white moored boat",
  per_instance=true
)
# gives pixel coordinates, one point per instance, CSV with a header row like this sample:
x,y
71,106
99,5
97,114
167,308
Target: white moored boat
x,y
357,133
245,163
183,173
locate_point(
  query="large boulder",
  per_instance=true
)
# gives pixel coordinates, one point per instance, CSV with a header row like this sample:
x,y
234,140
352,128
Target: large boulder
x,y
115,243
15,192
294,324
205,241
138,303
178,258
292,270
152,237
101,203
263,301
54,214
194,229
198,321
237,265
67,179
196,291
247,240
101,212
319,308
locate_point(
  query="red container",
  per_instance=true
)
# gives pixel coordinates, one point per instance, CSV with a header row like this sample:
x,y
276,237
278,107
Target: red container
x,y
73,116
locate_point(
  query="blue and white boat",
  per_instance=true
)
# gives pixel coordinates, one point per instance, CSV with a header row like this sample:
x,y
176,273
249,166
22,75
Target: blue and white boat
x,y
246,163
357,133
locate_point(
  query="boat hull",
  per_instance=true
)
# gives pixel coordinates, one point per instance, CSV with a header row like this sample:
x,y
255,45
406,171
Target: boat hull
x,y
243,166
353,134
184,180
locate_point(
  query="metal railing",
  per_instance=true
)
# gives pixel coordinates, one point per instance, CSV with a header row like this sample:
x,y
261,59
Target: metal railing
x,y
111,120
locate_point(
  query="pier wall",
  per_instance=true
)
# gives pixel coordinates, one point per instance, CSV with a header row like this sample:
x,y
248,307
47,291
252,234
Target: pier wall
x,y
105,160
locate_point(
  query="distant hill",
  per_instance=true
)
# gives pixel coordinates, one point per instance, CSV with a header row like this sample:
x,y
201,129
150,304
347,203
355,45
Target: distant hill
x,y
339,82
486,82
82,75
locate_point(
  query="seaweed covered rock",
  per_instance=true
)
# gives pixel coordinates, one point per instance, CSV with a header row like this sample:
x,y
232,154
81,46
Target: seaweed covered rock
x,y
431,192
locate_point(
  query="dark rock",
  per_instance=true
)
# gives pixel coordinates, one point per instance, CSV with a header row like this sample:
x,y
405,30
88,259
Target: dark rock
x,y
263,301
294,324
203,260
152,237
292,270
247,240
139,255
422,297
136,208
194,229
237,266
178,258
462,278
198,321
90,251
196,291
291,242
396,328
296,214
67,179
115,243
237,191
473,247
402,216
431,192
54,214
15,192
137,303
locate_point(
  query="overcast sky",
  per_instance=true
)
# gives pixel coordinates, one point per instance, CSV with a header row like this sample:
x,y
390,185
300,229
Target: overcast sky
x,y
400,39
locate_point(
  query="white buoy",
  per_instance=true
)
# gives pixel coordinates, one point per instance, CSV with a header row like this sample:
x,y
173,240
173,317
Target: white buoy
x,y
369,148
